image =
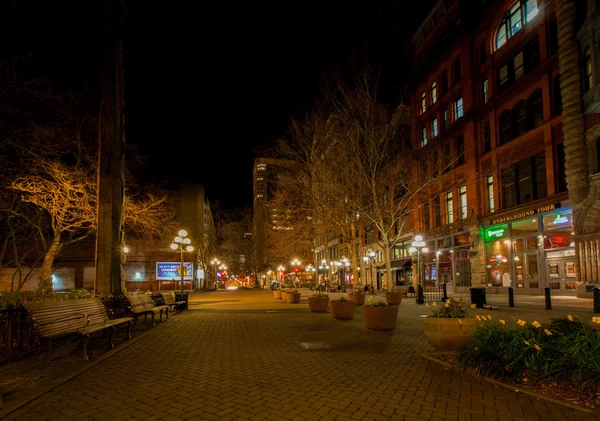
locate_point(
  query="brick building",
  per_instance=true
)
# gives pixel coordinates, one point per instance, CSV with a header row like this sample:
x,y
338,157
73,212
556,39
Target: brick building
x,y
488,109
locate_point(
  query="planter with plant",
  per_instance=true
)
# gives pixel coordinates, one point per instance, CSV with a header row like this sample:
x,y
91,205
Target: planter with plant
x,y
318,303
358,296
380,315
292,296
277,293
342,308
394,297
450,325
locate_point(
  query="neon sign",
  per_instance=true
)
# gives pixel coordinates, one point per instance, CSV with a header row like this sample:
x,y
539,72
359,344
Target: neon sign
x,y
560,219
494,233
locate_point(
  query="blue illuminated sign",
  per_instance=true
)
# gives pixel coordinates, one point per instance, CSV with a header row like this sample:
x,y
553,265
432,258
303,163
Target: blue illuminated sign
x,y
166,271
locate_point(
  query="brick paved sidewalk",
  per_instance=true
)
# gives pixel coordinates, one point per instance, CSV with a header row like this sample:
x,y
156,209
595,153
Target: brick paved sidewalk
x,y
242,355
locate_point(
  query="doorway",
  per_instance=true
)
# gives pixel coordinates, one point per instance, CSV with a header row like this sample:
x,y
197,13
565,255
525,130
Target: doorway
x,y
561,276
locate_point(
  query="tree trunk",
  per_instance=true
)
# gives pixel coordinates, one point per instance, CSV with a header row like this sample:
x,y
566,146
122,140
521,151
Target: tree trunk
x,y
572,118
111,154
388,266
45,284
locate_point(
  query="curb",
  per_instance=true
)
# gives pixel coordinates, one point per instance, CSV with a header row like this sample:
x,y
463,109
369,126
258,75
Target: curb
x,y
431,357
48,387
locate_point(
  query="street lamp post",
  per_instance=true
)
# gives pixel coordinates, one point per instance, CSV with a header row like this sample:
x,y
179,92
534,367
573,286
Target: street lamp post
x,y
368,259
181,243
280,269
418,246
215,262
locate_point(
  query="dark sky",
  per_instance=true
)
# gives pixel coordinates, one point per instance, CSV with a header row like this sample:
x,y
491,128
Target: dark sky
x,y
210,85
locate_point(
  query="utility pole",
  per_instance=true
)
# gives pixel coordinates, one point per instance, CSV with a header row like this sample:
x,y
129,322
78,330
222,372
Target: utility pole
x,y
111,156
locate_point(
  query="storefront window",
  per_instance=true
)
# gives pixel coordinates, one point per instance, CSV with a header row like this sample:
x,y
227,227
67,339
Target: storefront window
x,y
524,227
498,267
558,229
461,240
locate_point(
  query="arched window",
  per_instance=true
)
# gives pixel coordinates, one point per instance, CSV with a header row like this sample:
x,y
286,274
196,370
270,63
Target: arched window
x,y
433,93
517,16
536,109
588,79
505,123
423,103
520,118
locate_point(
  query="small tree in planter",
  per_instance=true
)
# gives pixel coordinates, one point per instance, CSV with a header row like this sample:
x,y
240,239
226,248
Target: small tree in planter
x,y
380,316
342,308
450,325
318,303
292,296
358,296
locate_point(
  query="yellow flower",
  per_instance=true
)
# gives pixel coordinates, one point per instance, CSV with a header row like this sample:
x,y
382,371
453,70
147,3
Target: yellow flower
x,y
489,317
473,306
596,319
448,301
447,305
547,332
526,343
537,347
521,322
478,318
569,317
536,324
426,304
434,304
503,322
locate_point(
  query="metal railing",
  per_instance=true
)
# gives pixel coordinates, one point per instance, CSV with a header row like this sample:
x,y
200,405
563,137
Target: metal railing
x,y
18,337
435,293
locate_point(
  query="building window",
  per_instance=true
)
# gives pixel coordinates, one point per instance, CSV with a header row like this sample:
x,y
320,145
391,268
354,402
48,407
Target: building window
x,y
457,70
520,117
503,75
487,137
520,14
519,69
490,194
535,103
445,118
423,136
485,91
433,93
463,202
437,211
505,123
444,85
423,103
458,108
588,80
524,181
460,150
434,127
426,216
449,208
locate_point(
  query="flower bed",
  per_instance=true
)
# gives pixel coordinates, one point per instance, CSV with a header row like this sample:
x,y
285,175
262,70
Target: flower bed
x,y
560,358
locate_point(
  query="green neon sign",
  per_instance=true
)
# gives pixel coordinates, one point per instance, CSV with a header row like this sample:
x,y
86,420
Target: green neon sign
x,y
496,232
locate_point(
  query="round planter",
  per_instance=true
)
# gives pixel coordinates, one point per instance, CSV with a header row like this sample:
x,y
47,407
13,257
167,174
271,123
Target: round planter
x,y
277,294
359,299
293,297
447,334
318,304
393,297
380,318
283,296
343,310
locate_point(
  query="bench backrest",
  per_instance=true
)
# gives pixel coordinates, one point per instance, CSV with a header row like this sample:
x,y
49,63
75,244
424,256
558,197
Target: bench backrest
x,y
140,302
56,318
168,298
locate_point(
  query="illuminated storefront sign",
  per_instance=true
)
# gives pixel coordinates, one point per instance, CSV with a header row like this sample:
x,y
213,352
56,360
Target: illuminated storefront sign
x,y
495,233
526,213
170,270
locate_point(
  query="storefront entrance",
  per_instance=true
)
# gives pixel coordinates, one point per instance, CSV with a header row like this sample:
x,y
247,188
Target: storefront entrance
x,y
561,273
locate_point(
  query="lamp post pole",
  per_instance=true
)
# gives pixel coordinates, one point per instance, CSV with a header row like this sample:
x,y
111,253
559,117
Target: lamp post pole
x,y
417,246
181,243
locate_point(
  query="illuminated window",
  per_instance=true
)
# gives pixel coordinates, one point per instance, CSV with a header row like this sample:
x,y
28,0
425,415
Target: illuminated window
x,y
490,194
434,93
449,208
423,103
463,202
434,127
519,15
485,91
458,108
589,78
424,136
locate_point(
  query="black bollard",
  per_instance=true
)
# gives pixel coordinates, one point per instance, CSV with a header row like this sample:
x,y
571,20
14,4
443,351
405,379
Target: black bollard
x,y
511,297
445,291
596,300
420,297
548,298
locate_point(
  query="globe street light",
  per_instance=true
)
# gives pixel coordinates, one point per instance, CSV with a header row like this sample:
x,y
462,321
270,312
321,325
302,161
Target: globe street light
x,y
181,244
280,269
418,246
215,262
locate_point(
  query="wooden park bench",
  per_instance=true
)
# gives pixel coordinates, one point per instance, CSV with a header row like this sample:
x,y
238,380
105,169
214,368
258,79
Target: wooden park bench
x,y
80,317
170,301
142,304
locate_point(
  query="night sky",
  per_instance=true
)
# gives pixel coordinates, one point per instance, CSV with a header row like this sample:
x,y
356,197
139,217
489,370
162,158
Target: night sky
x,y
208,87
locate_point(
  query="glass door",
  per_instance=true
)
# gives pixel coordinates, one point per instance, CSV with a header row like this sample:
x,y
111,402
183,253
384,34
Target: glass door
x,y
525,261
561,276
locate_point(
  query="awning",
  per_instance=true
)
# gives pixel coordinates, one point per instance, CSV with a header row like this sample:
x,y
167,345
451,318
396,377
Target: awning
x,y
398,264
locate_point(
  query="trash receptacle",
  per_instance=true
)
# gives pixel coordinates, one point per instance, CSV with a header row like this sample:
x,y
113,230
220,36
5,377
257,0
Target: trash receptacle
x,y
478,297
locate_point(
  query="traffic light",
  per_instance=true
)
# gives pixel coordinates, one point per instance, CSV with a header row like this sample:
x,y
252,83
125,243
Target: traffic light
x,y
296,270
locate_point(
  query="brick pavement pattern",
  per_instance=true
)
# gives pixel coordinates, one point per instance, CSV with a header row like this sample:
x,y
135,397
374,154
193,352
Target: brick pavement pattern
x,y
243,355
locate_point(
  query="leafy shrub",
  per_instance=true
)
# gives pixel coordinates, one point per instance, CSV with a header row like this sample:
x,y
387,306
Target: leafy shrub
x,y
343,299
452,308
562,350
379,304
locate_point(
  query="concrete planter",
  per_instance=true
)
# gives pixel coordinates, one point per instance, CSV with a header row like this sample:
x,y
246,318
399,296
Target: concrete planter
x,y
447,334
284,296
277,294
359,299
318,304
380,318
393,297
293,297
342,310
